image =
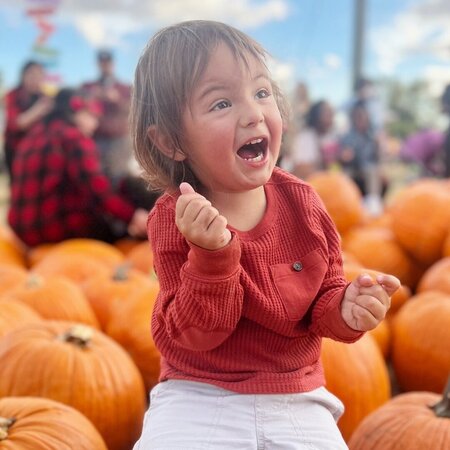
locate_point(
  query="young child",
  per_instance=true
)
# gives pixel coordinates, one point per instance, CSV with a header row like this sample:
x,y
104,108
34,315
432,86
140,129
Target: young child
x,y
247,258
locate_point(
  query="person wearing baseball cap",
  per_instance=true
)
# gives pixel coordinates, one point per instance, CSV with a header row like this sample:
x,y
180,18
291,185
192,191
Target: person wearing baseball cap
x,y
112,135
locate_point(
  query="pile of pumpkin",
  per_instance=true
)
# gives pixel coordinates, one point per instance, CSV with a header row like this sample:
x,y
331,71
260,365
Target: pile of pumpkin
x,y
77,359
393,381
76,355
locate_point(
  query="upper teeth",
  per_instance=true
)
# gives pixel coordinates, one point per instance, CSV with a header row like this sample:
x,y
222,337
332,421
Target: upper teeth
x,y
255,141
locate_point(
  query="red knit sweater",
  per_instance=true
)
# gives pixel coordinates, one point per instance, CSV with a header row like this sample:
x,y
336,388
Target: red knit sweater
x,y
250,316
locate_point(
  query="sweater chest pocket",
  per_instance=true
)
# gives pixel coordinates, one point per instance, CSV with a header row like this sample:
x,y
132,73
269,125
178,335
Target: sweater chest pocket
x,y
299,282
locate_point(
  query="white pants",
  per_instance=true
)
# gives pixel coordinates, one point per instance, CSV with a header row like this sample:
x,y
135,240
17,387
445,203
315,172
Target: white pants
x,y
186,415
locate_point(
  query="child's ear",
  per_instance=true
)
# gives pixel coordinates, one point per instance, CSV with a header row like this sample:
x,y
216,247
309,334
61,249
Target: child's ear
x,y
164,144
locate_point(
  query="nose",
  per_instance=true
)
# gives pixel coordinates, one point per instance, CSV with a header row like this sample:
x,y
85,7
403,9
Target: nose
x,y
251,114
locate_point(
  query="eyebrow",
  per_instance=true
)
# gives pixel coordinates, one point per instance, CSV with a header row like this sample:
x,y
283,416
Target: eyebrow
x,y
221,86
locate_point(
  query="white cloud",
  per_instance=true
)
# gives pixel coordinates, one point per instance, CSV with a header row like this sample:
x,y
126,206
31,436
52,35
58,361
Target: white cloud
x,y
107,22
437,76
283,73
421,30
332,61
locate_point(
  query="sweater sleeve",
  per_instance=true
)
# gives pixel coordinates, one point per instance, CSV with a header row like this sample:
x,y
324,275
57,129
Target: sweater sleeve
x,y
327,319
200,299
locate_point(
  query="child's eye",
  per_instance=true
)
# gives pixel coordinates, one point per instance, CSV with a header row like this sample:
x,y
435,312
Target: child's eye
x,y
221,105
263,93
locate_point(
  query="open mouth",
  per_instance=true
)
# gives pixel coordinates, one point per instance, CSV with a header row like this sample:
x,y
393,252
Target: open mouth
x,y
254,150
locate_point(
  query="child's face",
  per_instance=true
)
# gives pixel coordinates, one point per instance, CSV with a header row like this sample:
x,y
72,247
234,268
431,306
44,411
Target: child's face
x,y
233,126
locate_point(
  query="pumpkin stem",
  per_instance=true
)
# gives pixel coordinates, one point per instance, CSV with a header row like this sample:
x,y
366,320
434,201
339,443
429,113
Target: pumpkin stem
x,y
34,280
442,408
5,423
80,335
121,272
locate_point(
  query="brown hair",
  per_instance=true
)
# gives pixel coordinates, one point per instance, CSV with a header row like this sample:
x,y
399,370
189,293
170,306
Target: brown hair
x,y
169,68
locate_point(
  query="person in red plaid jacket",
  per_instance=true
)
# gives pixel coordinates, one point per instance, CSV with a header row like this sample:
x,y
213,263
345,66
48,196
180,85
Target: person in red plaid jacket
x,y
25,105
59,190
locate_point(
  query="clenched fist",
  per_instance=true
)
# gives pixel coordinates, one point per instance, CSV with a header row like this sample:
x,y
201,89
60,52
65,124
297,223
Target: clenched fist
x,y
199,222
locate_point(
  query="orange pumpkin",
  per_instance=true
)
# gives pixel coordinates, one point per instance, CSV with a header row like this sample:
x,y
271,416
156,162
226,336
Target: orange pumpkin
x,y
103,290
12,251
15,314
421,218
341,197
38,253
97,250
377,248
126,244
437,277
141,257
43,424
77,267
420,344
382,336
137,340
411,421
55,298
357,374
11,276
78,366
446,246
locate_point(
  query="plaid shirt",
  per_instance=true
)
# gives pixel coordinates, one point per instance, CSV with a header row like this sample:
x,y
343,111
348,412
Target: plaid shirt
x,y
17,101
58,190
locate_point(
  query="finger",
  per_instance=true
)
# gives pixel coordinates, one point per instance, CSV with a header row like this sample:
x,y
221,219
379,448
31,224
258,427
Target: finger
x,y
378,292
363,280
389,283
194,208
186,188
190,202
364,319
218,230
206,216
372,305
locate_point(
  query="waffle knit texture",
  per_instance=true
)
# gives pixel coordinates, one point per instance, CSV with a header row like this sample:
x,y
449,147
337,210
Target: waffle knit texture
x,y
249,317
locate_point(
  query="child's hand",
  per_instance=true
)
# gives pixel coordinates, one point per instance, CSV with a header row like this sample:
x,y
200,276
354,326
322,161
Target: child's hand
x,y
366,303
138,224
199,222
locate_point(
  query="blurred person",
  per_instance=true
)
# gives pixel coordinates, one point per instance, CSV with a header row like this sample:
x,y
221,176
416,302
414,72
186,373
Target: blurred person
x,y
425,149
59,190
300,106
365,92
25,105
359,156
445,101
112,135
315,146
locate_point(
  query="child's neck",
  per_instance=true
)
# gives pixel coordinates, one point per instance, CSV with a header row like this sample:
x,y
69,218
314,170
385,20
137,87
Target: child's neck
x,y
243,210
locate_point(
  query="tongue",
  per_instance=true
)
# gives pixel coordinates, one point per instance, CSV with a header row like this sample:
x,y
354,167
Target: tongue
x,y
248,151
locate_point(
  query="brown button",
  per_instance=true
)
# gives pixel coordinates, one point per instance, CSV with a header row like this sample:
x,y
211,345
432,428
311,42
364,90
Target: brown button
x,y
297,266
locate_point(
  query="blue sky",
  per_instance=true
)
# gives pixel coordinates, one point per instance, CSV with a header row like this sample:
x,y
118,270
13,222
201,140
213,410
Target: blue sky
x,y
310,40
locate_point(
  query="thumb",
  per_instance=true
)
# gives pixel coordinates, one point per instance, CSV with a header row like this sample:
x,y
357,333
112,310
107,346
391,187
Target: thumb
x,y
186,188
363,280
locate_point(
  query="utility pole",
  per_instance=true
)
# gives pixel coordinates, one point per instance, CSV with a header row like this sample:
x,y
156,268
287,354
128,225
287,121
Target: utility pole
x,y
358,40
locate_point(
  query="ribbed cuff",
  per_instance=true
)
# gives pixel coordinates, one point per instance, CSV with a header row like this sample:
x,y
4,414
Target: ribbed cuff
x,y
221,263
332,320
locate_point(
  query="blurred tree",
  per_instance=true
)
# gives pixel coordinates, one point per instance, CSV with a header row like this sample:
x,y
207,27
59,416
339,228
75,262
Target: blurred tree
x,y
410,106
